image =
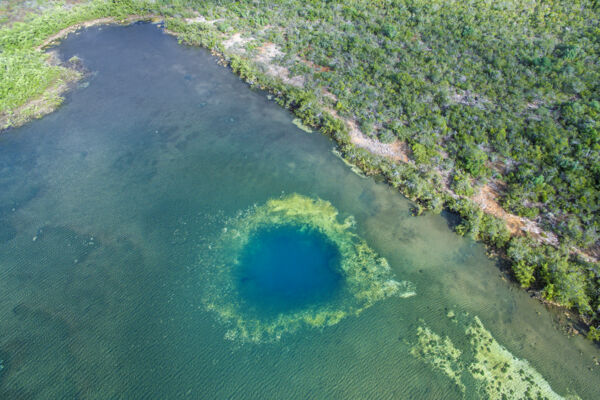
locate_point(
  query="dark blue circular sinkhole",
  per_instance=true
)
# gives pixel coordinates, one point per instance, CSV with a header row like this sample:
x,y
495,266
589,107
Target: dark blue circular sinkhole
x,y
285,268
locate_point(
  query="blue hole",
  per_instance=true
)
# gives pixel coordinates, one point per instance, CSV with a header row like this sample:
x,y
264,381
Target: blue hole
x,y
285,268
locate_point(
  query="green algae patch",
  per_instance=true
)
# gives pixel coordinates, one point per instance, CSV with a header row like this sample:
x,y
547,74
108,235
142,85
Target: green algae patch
x,y
301,126
365,278
440,354
502,374
496,372
352,167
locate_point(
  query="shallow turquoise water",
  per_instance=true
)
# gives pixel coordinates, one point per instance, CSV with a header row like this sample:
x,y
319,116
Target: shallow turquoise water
x,y
109,205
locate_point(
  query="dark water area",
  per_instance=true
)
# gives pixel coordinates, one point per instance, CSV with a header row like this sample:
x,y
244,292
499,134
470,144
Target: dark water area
x,y
286,268
109,205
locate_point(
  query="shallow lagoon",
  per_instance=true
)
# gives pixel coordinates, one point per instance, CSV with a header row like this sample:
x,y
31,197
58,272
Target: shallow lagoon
x,y
111,207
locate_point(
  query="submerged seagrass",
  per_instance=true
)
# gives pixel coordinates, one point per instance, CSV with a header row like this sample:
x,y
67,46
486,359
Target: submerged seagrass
x,y
496,372
350,278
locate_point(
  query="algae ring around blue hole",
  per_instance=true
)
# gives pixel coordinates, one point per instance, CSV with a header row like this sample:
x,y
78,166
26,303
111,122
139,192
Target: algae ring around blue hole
x,y
289,264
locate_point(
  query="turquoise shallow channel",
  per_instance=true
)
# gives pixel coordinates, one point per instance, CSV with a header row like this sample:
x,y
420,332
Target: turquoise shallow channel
x,y
170,233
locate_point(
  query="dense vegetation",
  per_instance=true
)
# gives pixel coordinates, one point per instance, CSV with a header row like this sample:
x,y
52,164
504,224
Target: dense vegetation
x,y
481,91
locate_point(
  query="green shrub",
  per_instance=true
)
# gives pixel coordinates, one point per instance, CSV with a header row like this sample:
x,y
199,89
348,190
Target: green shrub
x,y
461,184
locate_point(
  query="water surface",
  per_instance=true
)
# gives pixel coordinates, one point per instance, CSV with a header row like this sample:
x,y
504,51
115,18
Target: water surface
x,y
286,268
107,205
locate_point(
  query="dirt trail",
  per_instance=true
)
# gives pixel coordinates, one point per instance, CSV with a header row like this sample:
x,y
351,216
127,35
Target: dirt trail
x,y
269,52
396,151
486,199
